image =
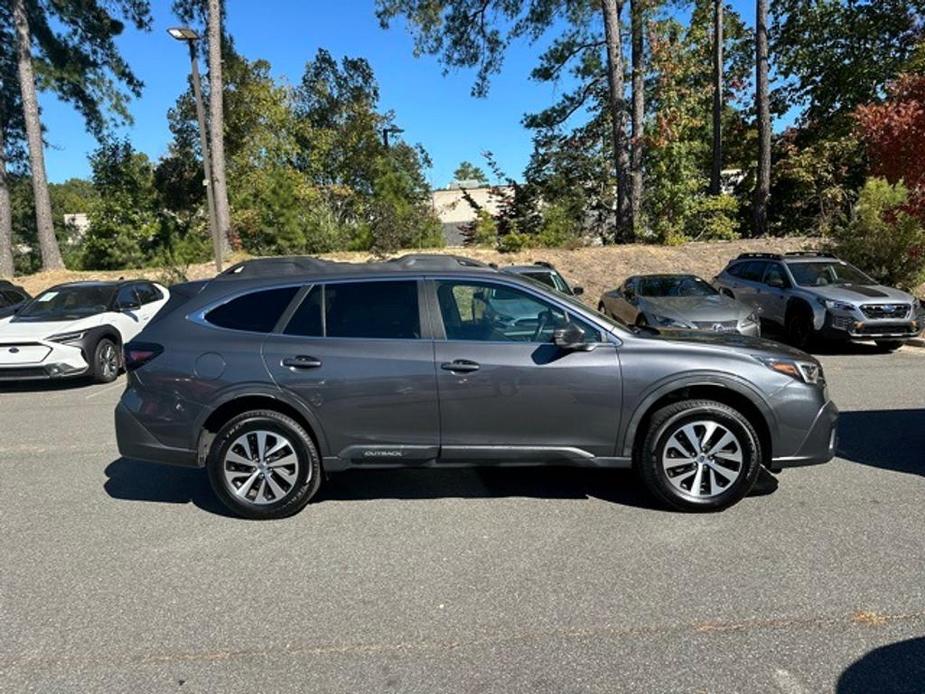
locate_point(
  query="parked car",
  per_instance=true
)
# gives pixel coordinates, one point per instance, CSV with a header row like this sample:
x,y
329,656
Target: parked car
x,y
815,295
545,273
12,298
678,302
76,329
280,372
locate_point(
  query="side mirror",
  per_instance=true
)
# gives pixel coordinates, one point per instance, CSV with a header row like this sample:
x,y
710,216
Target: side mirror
x,y
571,338
578,291
129,306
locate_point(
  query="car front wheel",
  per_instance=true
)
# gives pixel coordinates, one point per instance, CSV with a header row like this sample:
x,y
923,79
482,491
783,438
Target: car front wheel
x,y
263,465
699,455
105,367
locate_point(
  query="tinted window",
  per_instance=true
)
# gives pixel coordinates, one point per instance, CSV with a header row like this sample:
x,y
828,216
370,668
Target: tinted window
x,y
542,277
307,319
14,297
4,301
255,312
494,313
372,309
775,276
148,293
127,296
753,270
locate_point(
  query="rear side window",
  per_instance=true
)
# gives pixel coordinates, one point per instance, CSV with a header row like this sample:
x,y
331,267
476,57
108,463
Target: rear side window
x,y
372,309
753,271
256,312
308,319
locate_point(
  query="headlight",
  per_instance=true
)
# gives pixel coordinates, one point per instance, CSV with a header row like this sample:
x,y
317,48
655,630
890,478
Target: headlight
x,y
670,322
68,338
805,371
916,305
835,305
750,318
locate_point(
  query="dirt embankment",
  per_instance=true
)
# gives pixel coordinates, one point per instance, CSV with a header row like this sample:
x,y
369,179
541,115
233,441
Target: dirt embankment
x,y
597,269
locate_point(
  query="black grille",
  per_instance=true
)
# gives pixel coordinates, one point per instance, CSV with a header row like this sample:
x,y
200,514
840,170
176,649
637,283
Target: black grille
x,y
23,372
877,311
886,329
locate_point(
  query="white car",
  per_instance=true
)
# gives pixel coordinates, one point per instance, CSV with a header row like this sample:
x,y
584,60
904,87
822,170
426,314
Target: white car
x,y
77,329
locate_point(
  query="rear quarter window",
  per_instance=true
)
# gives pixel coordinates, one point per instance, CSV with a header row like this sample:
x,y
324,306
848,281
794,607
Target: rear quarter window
x,y
256,312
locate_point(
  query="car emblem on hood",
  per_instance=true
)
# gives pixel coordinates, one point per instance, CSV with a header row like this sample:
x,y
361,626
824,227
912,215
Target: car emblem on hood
x,y
717,327
14,350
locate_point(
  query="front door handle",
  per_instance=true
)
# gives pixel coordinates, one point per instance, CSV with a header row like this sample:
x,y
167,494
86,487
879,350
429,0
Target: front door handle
x,y
301,362
460,366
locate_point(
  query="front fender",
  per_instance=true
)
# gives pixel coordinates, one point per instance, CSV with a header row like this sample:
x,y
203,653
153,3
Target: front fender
x,y
673,383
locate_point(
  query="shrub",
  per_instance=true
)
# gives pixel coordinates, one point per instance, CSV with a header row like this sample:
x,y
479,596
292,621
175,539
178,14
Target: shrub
x,y
558,228
883,238
713,218
513,242
484,230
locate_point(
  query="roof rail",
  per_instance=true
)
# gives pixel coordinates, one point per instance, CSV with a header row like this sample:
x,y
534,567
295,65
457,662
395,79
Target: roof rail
x,y
270,267
435,261
812,254
766,256
544,263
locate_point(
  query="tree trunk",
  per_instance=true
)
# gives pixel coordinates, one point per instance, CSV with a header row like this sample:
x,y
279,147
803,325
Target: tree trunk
x,y
51,255
6,215
612,10
637,19
716,173
763,182
217,123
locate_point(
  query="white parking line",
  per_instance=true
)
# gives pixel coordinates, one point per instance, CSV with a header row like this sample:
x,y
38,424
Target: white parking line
x,y
118,384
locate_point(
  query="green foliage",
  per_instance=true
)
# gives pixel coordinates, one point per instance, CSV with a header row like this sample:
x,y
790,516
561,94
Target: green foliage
x,y
124,223
882,238
467,171
559,227
484,230
513,242
713,218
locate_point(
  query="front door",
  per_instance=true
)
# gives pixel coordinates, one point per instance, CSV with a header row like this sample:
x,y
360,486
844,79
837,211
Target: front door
x,y
354,354
507,392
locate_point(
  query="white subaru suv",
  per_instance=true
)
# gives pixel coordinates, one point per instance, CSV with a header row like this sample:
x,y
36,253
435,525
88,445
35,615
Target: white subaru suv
x,y
77,329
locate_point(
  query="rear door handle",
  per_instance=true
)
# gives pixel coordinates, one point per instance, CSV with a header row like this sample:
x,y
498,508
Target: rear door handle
x,y
301,362
460,366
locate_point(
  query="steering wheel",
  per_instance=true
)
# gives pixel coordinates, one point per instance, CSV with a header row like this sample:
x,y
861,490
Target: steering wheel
x,y
542,321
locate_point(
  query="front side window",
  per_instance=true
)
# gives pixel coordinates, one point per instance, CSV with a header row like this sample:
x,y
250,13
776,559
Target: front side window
x,y
127,296
494,313
775,277
256,312
148,293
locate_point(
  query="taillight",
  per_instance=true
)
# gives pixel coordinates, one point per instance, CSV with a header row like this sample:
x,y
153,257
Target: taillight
x,y
138,354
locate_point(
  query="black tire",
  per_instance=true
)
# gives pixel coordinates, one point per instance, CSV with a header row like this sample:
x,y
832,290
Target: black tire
x,y
799,325
307,474
889,345
667,422
106,362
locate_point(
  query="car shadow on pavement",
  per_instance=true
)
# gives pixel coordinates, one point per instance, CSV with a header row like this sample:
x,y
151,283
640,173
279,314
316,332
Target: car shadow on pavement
x,y
133,480
888,439
898,668
49,386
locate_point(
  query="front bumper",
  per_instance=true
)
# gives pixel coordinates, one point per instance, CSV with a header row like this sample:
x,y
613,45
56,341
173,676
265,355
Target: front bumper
x,y
40,360
818,445
839,326
45,372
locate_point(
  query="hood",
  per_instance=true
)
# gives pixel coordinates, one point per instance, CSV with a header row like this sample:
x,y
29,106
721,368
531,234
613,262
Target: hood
x,y
756,346
861,293
695,308
11,330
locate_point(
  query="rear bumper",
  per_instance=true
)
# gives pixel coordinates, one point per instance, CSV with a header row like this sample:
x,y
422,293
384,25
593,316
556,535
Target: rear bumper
x,y
819,444
138,443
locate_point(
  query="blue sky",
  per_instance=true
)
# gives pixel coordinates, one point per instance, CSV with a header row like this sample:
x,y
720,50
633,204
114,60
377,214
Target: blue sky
x,y
435,110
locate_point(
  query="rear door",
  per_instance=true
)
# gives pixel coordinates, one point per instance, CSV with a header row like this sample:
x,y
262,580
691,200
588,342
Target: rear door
x,y
748,281
771,297
357,354
506,391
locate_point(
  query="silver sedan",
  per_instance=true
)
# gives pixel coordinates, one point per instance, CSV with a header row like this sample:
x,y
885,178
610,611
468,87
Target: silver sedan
x,y
678,302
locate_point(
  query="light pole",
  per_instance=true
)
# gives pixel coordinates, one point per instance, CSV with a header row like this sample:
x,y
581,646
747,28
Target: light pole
x,y
190,37
390,130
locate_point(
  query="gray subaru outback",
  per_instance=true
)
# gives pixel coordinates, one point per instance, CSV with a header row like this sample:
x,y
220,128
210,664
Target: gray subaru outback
x,y
281,371
815,295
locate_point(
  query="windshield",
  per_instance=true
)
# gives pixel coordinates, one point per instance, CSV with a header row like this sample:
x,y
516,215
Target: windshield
x,y
673,286
822,273
570,299
67,303
550,279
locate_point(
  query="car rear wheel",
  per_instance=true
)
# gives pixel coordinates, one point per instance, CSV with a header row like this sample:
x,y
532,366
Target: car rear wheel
x,y
699,455
105,367
263,465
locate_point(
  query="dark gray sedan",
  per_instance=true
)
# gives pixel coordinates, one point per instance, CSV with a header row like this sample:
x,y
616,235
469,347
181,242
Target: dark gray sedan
x,y
678,302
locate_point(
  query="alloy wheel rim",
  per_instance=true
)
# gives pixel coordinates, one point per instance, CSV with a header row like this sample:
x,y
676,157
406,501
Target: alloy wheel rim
x,y
702,459
261,467
108,361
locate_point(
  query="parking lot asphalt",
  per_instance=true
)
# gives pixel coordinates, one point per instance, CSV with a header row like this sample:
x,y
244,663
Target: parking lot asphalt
x,y
119,576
